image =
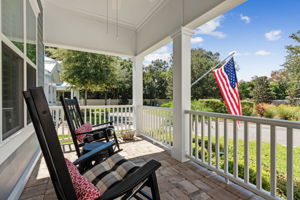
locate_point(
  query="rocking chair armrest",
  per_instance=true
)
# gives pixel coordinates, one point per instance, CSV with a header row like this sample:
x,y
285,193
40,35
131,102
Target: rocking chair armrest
x,y
132,181
110,123
92,132
92,154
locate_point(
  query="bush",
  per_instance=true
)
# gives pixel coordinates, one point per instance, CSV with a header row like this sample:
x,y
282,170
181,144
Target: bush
x,y
287,112
270,111
247,107
214,105
260,109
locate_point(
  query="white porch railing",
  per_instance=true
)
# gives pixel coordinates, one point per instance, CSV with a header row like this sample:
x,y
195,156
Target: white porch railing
x,y
158,124
234,134
121,115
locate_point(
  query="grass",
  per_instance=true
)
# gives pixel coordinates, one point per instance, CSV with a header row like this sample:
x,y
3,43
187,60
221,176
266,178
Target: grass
x,y
280,162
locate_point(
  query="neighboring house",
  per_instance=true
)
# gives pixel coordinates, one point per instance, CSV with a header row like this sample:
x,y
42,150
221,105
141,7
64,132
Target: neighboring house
x,y
52,77
53,86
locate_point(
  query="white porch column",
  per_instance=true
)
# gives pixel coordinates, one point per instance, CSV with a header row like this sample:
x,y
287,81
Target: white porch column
x,y
181,91
137,91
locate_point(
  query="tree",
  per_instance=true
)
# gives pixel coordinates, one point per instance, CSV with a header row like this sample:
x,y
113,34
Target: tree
x,y
155,79
262,91
124,80
279,84
292,67
245,89
202,61
86,71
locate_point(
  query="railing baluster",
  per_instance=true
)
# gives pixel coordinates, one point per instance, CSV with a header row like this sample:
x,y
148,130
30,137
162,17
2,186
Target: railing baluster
x,y
225,147
246,152
202,139
196,139
191,134
273,161
84,115
290,163
209,140
235,150
217,144
95,116
258,157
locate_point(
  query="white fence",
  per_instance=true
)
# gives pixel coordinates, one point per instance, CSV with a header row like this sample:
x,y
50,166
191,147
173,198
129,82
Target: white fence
x,y
122,117
230,145
158,124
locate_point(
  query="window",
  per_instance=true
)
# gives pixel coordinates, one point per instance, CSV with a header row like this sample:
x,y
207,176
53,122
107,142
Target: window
x,y
31,82
12,87
12,22
31,33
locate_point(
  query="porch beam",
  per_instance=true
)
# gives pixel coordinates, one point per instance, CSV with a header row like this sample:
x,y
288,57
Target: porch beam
x,y
137,91
181,91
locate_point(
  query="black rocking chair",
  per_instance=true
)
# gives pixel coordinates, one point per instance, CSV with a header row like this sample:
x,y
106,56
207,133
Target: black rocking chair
x,y
128,187
94,138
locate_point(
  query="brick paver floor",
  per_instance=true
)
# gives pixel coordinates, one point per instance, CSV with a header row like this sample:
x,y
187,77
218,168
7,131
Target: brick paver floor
x,y
177,181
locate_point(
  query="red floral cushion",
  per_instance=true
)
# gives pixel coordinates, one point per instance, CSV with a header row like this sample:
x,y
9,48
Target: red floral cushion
x,y
83,128
84,189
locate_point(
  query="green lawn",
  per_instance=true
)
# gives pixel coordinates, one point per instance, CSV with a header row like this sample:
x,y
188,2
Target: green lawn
x,y
280,161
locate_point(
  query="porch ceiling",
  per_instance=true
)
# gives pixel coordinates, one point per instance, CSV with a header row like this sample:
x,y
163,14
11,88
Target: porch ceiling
x,y
143,24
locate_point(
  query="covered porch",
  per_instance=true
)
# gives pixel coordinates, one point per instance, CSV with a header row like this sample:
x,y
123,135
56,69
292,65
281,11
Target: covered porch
x,y
201,152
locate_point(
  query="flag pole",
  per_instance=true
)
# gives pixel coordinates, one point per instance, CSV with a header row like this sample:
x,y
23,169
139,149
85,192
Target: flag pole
x,y
199,79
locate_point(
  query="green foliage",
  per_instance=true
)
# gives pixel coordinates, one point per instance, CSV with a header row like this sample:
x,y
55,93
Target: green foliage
x,y
270,111
287,112
292,67
215,105
87,71
155,80
247,107
245,89
262,91
201,62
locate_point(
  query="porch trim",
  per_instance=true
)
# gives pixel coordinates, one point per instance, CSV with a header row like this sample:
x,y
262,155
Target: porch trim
x,y
19,187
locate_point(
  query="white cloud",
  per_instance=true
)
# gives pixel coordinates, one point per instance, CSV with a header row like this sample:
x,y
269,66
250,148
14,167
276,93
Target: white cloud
x,y
245,19
273,35
196,40
262,53
210,28
163,53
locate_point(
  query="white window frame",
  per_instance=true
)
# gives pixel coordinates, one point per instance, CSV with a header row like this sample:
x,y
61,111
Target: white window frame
x,y
11,143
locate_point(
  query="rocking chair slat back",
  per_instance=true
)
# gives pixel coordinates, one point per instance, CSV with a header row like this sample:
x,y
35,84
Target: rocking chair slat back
x,y
49,142
74,118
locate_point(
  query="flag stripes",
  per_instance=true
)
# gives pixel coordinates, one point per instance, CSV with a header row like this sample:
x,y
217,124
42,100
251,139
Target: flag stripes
x,y
228,85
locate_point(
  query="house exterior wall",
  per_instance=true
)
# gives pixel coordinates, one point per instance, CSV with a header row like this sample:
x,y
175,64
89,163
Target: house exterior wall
x,y
20,151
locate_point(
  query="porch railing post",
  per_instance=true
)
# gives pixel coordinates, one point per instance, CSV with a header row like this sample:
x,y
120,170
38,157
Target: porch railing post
x,y
137,92
181,91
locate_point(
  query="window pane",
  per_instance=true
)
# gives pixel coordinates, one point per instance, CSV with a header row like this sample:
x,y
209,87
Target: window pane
x,y
12,86
31,82
12,21
31,33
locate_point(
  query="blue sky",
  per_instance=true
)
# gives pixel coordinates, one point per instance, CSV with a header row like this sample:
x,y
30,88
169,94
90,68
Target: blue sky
x,y
258,30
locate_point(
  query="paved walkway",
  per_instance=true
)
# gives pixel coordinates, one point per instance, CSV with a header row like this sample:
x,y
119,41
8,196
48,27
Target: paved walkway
x,y
177,181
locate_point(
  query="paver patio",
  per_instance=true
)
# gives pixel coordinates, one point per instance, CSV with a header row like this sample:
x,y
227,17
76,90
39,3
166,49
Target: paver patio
x,y
177,181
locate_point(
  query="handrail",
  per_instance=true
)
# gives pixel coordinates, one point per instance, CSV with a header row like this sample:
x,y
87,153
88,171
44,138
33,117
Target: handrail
x,y
275,122
158,108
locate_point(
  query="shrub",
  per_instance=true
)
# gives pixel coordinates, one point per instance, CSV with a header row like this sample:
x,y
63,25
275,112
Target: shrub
x,y
260,109
215,105
247,107
270,111
287,112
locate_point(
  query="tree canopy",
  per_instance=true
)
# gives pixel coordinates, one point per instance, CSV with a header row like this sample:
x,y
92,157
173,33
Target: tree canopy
x,y
292,67
87,71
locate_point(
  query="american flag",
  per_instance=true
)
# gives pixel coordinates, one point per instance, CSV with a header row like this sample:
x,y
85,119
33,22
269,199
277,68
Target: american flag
x,y
228,85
